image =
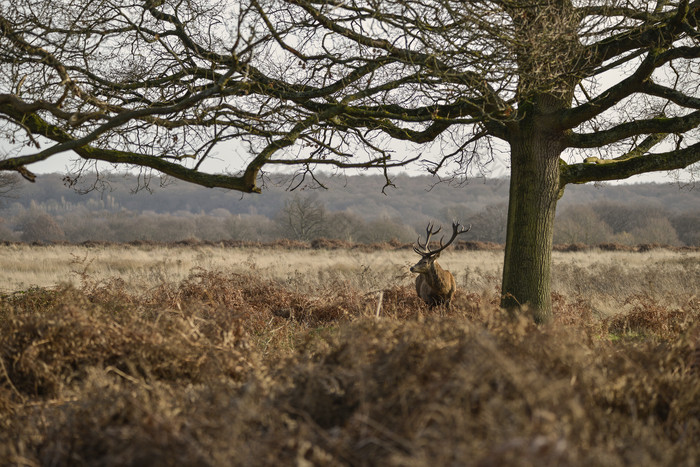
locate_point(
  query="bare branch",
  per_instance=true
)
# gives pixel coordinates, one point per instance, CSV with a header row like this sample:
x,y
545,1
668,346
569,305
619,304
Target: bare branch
x,y
629,166
640,127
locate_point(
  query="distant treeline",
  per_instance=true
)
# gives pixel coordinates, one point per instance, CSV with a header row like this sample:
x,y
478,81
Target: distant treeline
x,y
352,209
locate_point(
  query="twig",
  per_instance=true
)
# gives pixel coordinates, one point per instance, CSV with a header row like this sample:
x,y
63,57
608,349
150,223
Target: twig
x,y
379,303
7,376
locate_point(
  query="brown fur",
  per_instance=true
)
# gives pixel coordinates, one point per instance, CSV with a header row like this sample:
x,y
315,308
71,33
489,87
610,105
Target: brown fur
x,y
435,285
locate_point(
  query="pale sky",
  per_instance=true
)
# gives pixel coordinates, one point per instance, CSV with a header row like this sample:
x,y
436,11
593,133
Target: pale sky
x,y
61,163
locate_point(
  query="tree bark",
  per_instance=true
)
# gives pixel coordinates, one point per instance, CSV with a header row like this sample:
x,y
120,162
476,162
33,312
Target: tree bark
x,y
534,191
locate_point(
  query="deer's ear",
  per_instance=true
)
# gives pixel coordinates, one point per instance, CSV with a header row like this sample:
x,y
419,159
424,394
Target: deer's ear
x,y
436,255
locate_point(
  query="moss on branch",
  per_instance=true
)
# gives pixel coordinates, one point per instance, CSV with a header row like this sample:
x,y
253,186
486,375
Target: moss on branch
x,y
617,169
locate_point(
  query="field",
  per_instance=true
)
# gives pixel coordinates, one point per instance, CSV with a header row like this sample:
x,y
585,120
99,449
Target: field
x,y
272,355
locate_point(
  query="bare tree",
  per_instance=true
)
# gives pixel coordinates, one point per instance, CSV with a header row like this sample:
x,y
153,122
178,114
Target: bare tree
x,y
9,184
686,225
491,222
38,226
581,224
303,218
346,226
578,90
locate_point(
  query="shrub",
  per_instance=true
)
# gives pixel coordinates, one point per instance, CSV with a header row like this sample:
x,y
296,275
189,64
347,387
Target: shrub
x,y
234,369
38,226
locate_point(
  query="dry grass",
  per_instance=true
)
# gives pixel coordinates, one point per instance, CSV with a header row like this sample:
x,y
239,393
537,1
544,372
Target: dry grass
x,y
147,266
262,364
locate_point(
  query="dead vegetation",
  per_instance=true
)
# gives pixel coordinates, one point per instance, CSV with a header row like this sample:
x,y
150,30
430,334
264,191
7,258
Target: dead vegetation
x,y
235,369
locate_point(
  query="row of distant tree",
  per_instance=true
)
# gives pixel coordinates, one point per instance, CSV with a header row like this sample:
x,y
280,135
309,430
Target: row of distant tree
x,y
353,210
306,217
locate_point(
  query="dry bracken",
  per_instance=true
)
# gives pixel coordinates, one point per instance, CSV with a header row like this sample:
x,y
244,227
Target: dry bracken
x,y
208,371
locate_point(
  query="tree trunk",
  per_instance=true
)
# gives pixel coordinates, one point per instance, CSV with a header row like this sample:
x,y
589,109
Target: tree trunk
x,y
534,191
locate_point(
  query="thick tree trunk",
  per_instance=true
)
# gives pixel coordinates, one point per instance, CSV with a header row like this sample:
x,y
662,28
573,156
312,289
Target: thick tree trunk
x,y
534,191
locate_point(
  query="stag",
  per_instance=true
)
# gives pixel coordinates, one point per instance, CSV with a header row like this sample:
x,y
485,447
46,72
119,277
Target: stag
x,y
435,285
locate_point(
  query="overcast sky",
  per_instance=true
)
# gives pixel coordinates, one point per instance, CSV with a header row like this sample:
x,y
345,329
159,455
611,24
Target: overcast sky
x,y
61,163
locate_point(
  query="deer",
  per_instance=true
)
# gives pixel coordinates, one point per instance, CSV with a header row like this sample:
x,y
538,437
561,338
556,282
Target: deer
x,y
435,285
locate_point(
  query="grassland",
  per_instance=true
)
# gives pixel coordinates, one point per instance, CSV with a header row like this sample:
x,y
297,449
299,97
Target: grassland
x,y
606,278
140,267
205,355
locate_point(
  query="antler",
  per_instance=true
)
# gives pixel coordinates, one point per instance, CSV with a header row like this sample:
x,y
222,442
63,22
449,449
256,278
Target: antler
x,y
423,249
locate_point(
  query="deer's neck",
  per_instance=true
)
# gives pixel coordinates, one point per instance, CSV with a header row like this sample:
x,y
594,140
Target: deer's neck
x,y
437,277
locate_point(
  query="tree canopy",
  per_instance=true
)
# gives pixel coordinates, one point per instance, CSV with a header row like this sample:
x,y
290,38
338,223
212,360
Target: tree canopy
x,y
579,90
161,83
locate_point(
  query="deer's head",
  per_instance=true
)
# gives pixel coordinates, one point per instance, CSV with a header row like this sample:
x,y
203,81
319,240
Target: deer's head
x,y
429,256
